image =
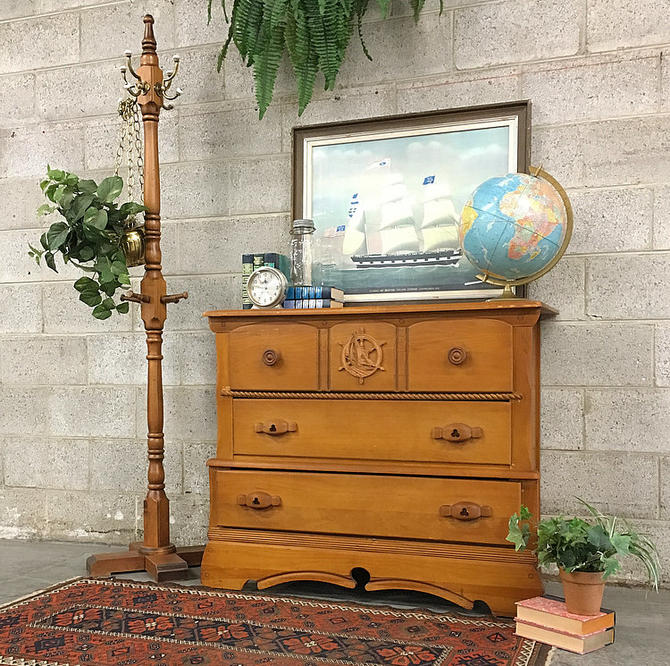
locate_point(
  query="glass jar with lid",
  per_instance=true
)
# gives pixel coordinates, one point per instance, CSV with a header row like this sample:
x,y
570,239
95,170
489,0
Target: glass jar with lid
x,y
302,234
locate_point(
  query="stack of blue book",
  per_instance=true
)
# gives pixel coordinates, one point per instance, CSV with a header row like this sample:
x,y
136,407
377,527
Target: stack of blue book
x,y
310,298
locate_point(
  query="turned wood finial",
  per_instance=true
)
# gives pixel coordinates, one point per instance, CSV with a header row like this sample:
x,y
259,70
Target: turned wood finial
x,y
149,40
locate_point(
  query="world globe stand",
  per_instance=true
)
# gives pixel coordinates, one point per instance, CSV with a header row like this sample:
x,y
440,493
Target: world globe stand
x,y
508,292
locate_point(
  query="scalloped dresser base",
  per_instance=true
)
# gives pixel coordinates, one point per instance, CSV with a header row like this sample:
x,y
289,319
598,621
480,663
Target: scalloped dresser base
x,y
460,574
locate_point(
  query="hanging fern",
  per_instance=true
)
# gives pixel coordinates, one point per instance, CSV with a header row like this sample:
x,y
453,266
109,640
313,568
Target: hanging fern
x,y
314,33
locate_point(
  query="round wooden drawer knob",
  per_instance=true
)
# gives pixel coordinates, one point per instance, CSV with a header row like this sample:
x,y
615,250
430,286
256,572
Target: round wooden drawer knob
x,y
271,357
457,355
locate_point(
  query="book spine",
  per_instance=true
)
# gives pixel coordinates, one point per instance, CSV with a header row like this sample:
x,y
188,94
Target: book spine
x,y
247,269
271,259
324,303
332,293
258,261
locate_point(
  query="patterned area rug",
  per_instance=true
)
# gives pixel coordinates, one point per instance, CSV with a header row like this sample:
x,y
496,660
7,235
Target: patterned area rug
x,y
103,621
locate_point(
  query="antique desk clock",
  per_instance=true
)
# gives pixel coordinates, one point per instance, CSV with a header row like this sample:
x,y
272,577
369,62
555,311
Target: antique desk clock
x,y
267,287
397,439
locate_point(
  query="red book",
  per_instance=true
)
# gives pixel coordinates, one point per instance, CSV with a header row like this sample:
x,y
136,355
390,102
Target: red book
x,y
552,613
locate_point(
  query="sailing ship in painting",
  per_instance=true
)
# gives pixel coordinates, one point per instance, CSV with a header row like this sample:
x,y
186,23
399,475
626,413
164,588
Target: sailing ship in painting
x,y
397,236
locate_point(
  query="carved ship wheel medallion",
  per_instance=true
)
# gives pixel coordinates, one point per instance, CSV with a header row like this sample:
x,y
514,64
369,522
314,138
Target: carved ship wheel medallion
x,y
361,355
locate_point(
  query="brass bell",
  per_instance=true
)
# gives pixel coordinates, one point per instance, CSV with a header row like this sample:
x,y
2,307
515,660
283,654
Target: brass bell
x,y
132,242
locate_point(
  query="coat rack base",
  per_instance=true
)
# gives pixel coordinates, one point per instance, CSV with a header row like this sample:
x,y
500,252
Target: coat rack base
x,y
161,565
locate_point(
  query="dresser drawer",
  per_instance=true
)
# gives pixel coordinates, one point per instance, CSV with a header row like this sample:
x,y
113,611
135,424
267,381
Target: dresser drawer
x,y
459,355
274,357
402,430
384,506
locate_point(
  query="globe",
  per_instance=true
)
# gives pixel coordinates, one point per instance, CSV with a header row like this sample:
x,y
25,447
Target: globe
x,y
515,228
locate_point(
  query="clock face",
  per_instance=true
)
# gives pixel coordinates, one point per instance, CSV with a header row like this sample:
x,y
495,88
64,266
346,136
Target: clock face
x,y
266,287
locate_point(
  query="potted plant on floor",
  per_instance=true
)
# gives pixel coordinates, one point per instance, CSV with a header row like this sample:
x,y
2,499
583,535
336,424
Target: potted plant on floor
x,y
586,552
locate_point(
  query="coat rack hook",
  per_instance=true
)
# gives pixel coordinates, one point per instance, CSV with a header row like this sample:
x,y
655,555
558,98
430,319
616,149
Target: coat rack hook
x,y
129,65
169,76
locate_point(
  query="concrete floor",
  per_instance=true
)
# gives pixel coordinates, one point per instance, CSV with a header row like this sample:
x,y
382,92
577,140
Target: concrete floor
x,y
643,618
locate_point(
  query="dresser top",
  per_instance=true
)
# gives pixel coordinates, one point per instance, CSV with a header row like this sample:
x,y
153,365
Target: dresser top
x,y
502,306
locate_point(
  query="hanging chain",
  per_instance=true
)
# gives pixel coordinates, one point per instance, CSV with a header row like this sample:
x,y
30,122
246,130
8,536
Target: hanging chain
x,y
130,143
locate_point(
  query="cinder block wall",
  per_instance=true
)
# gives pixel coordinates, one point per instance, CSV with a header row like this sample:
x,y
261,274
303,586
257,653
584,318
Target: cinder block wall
x,y
71,394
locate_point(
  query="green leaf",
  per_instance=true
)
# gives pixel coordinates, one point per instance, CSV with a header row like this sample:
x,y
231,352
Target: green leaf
x,y
55,174
50,191
598,537
518,533
525,513
621,543
93,236
57,234
50,261
44,184
67,199
109,287
384,6
79,206
86,284
109,303
91,298
45,209
123,308
35,254
417,6
129,209
96,218
60,191
110,188
71,179
119,267
43,241
86,253
101,312
87,186
610,566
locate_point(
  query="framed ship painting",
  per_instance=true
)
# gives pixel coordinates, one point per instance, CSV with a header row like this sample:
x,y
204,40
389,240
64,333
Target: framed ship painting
x,y
386,196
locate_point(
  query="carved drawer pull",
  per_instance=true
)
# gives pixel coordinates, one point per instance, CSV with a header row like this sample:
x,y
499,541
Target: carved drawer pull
x,y
465,511
259,500
276,427
457,355
457,432
271,357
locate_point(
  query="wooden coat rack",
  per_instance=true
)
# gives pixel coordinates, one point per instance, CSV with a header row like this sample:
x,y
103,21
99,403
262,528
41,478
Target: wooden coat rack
x,y
155,554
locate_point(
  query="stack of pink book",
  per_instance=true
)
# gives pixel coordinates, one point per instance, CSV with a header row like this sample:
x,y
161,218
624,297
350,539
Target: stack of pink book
x,y
547,620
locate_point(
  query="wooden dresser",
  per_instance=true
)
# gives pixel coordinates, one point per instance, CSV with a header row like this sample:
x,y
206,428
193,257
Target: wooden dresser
x,y
397,439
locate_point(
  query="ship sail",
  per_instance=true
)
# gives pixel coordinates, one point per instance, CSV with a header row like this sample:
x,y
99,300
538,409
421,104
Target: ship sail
x,y
397,227
439,227
354,235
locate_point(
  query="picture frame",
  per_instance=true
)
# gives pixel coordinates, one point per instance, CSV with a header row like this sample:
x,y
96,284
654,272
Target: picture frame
x,y
386,194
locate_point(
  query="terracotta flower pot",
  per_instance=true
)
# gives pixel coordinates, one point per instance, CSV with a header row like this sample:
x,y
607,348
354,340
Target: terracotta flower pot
x,y
583,591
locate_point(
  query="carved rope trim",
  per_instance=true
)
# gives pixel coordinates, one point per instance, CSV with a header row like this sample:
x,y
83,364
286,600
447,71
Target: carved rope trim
x,y
361,395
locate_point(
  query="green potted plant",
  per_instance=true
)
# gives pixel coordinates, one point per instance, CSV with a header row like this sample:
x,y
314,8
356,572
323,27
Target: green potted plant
x,y
586,552
94,234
